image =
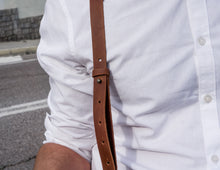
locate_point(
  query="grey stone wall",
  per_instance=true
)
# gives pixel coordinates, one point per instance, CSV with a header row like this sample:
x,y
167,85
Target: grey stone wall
x,y
26,8
14,29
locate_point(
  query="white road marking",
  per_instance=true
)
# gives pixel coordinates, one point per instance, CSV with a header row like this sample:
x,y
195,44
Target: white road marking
x,y
9,59
25,107
18,62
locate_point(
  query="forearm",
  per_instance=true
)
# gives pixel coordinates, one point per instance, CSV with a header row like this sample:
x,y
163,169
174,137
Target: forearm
x,y
56,157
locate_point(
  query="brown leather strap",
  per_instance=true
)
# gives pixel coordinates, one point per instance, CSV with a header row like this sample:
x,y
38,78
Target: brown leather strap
x,y
101,96
100,72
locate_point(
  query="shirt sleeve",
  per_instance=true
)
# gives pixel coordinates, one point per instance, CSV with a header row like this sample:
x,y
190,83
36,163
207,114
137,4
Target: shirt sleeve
x,y
70,122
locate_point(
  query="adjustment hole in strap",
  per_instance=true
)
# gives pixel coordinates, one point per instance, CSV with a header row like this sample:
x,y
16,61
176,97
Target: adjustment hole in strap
x,y
100,122
100,60
103,142
107,163
99,101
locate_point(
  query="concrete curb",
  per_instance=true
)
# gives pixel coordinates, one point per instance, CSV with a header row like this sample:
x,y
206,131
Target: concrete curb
x,y
15,51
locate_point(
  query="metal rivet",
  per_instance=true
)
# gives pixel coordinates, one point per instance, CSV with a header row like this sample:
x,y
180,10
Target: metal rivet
x,y
99,81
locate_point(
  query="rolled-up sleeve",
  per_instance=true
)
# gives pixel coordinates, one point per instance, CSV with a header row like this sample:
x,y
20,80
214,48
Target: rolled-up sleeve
x,y
70,122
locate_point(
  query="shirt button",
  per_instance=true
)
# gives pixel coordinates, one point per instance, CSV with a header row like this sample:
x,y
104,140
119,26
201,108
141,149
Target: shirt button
x,y
202,41
208,98
215,158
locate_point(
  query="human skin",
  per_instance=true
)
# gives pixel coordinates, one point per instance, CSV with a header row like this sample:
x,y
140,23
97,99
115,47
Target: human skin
x,y
57,157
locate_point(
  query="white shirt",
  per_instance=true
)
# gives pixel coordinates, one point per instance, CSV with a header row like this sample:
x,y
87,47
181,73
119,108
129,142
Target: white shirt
x,y
164,58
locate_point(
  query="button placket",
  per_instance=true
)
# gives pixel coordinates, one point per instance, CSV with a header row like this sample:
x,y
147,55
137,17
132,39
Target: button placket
x,y
206,75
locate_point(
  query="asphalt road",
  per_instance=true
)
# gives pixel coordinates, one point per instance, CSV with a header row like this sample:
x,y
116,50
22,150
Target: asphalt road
x,y
23,91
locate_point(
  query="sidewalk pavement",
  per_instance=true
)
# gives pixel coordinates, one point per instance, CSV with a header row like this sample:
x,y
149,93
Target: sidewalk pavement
x,y
18,47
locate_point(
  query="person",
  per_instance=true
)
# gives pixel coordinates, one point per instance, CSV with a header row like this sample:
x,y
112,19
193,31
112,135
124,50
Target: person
x,y
164,59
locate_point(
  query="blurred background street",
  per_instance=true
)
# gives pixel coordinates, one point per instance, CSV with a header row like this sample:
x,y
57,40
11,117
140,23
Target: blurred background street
x,y
23,84
23,91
